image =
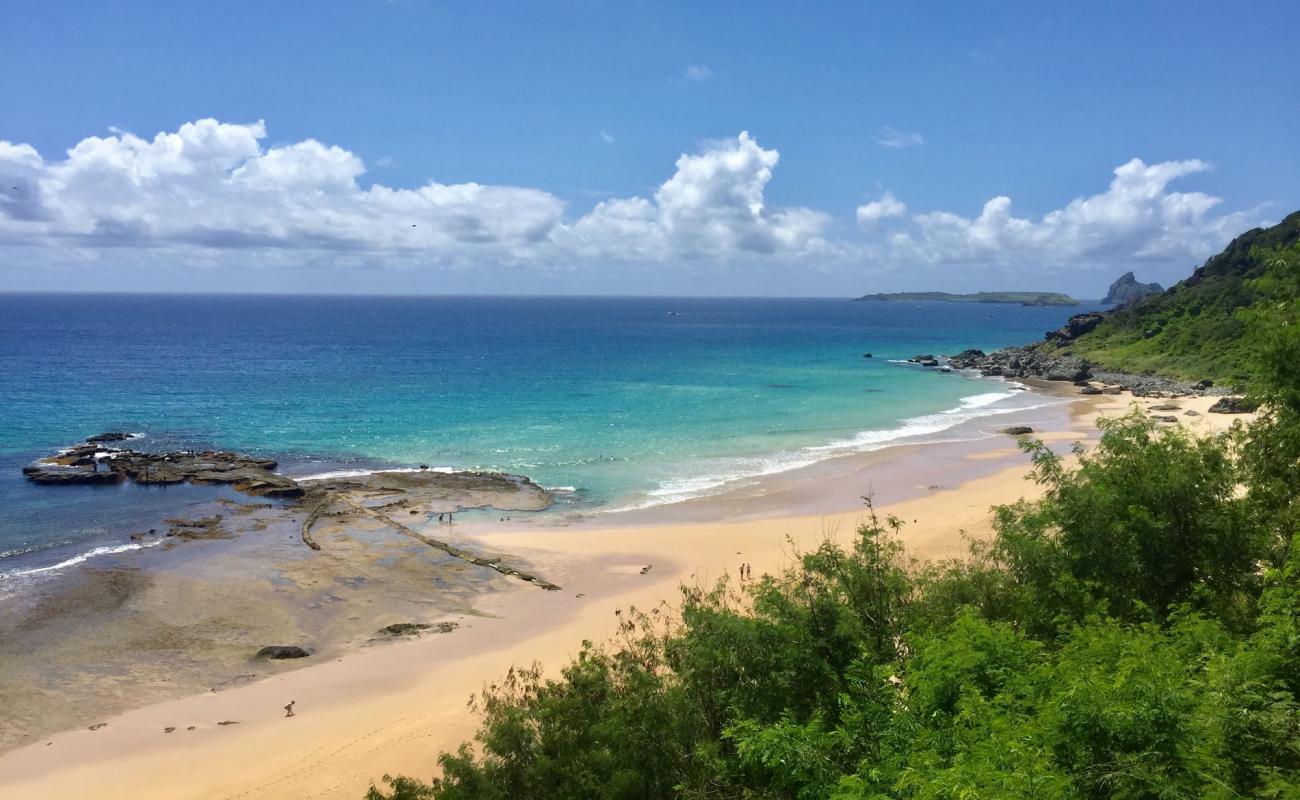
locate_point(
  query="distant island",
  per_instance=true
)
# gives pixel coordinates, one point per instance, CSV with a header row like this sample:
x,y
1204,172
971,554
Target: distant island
x,y
1017,298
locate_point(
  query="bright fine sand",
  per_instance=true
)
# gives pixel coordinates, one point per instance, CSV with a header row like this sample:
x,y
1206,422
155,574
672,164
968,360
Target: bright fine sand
x,y
392,709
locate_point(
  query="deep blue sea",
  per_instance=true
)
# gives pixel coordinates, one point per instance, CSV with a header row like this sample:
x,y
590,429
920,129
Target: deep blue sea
x,y
616,402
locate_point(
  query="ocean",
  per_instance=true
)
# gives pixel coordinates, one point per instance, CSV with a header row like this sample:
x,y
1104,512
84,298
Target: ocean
x,y
614,403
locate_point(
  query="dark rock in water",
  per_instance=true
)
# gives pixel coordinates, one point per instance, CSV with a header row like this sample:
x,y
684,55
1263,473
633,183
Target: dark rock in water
x,y
1090,390
917,359
277,652
1126,290
968,355
1075,327
928,362
866,355
110,436
52,475
1234,405
1018,430
245,473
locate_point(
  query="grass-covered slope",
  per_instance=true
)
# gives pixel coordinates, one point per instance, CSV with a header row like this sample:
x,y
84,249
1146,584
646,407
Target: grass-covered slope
x,y
1195,329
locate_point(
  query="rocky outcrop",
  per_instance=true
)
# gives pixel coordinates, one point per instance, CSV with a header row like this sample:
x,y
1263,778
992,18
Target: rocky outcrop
x,y
1018,430
1075,327
1126,290
94,462
1030,362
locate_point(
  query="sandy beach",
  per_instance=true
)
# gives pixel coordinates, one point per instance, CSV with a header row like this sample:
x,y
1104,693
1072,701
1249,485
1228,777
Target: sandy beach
x,y
391,709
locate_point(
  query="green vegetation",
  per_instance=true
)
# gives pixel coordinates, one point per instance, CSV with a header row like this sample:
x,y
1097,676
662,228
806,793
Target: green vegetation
x,y
1019,298
1135,634
1198,328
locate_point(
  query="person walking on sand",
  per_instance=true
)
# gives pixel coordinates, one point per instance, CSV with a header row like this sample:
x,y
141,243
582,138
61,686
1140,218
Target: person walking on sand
x,y
288,708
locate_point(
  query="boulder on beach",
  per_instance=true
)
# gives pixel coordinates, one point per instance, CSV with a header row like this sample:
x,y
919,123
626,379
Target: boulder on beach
x,y
279,652
1017,430
1234,405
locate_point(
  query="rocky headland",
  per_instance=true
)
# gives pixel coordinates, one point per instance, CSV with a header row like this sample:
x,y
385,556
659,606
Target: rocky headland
x,y
1034,363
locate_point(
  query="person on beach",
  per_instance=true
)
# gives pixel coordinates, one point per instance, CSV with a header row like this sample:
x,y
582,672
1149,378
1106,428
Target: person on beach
x,y
288,708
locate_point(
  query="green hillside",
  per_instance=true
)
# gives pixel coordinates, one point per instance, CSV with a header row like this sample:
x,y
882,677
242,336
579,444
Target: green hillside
x,y
1196,329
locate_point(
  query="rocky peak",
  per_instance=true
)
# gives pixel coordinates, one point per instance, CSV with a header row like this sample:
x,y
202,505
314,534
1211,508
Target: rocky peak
x,y
1127,290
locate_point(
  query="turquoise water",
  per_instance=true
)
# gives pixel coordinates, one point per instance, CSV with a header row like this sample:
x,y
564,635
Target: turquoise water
x,y
615,402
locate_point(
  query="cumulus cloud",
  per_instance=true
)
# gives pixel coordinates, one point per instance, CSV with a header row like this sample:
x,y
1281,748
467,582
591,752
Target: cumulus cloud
x,y
606,137
886,207
215,186
214,193
890,137
1137,218
712,206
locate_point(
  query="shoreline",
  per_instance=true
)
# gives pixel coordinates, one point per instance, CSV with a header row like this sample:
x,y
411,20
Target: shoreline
x,y
391,708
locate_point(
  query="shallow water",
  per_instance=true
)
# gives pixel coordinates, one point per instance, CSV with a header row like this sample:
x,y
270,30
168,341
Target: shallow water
x,y
618,402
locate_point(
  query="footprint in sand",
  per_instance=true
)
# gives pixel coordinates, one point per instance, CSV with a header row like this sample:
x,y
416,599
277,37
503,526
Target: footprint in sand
x,y
228,722
169,729
97,726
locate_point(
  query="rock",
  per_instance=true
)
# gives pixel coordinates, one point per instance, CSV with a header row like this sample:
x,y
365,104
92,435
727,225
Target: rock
x,y
278,652
1018,430
1069,369
1191,412
1075,327
110,436
919,358
1203,385
1090,390
1126,290
1234,405
866,355
1113,390
53,475
1165,419
928,362
246,474
415,628
1163,407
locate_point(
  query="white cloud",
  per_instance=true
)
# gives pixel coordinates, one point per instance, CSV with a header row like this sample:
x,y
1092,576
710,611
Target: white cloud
x,y
1137,218
712,206
697,73
212,193
890,137
213,187
606,137
886,207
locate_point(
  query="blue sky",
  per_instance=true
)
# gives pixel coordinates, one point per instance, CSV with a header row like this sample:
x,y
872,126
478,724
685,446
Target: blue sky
x,y
561,106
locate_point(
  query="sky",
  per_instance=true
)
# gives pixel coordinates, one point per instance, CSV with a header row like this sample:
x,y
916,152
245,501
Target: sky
x,y
666,148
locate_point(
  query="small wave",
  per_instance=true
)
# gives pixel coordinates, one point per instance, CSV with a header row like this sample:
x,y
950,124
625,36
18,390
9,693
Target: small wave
x,y
36,548
968,409
561,489
81,558
361,473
